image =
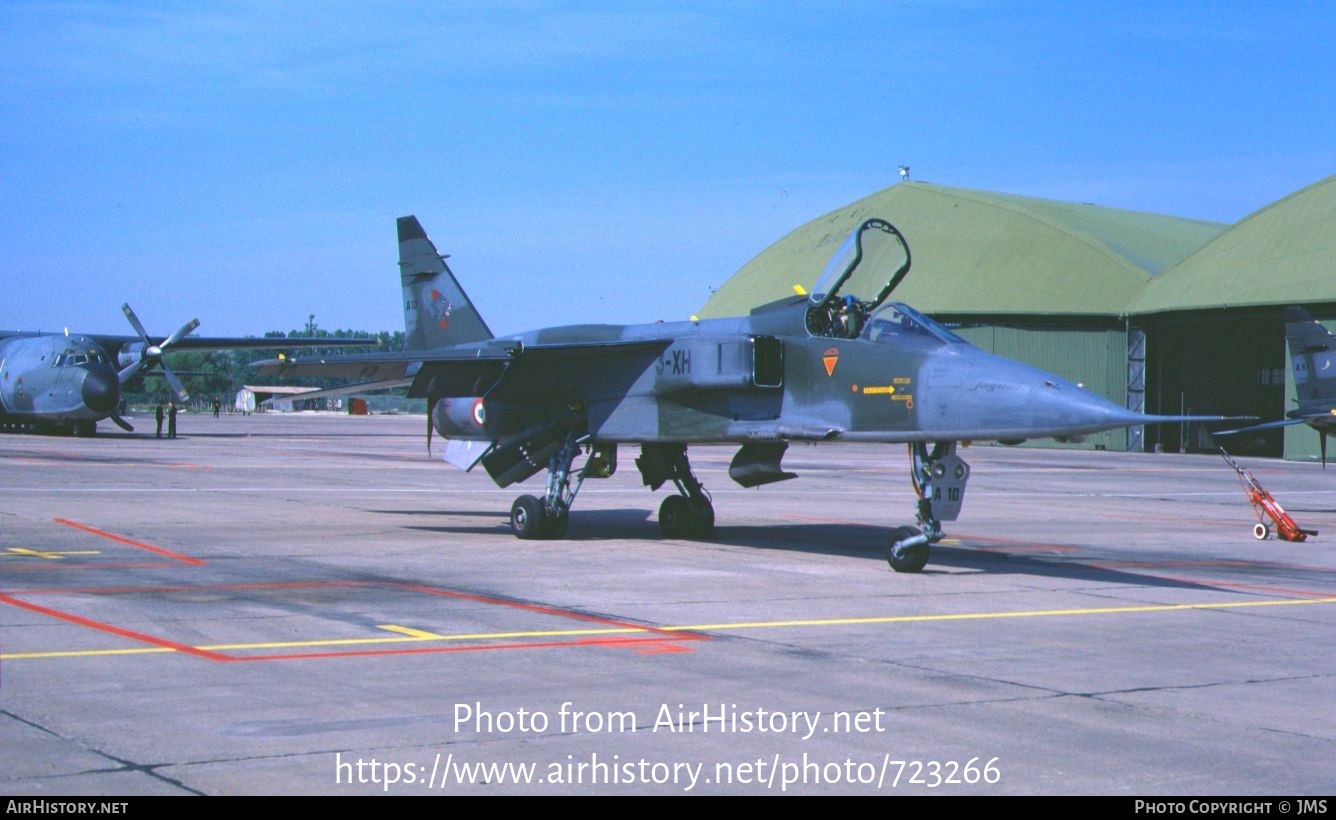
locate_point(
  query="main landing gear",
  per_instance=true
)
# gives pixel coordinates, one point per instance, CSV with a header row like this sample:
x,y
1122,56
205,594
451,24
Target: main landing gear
x,y
549,516
939,478
937,473
689,514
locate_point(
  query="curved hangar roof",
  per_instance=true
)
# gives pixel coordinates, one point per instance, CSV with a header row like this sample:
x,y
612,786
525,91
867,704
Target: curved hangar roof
x,y
1283,254
984,253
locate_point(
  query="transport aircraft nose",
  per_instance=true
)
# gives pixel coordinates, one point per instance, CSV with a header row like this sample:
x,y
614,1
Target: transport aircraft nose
x,y
101,391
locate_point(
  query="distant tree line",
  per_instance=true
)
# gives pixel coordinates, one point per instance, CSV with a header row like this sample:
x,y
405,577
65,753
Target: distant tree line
x,y
207,375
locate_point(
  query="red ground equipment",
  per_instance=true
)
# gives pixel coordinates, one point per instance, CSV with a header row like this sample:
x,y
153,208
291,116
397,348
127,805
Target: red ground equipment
x,y
1265,506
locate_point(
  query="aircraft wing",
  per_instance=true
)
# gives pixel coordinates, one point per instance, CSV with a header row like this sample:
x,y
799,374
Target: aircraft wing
x,y
358,387
500,368
536,374
1271,425
390,366
113,344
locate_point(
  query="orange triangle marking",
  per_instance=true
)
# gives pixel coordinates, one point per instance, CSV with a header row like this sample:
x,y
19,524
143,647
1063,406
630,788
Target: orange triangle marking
x,y
830,358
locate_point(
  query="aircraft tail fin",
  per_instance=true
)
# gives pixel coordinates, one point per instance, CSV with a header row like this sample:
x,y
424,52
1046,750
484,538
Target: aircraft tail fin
x,y
1313,355
437,312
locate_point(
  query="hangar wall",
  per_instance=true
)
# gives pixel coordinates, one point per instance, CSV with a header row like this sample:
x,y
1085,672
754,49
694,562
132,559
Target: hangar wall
x,y
1093,357
1067,286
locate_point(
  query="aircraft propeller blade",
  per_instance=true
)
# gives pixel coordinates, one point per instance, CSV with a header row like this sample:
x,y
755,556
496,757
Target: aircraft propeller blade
x,y
177,388
134,322
129,371
122,423
180,334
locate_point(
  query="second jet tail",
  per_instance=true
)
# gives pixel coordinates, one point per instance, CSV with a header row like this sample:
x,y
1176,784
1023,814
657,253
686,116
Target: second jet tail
x,y
437,312
1313,354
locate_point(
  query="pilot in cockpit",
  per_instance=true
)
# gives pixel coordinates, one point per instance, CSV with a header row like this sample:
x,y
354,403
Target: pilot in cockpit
x,y
849,318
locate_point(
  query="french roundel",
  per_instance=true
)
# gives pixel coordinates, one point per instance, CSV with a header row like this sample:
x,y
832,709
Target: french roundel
x,y
479,413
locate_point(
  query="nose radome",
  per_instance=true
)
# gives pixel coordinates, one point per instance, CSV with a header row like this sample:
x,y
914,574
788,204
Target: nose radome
x,y
101,391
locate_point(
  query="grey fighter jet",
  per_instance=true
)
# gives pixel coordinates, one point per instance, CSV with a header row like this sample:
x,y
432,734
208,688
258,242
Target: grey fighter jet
x,y
1313,365
842,364
67,383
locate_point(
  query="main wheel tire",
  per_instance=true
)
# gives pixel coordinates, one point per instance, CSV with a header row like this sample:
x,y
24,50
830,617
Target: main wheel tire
x,y
704,520
527,517
554,526
913,559
1261,531
677,519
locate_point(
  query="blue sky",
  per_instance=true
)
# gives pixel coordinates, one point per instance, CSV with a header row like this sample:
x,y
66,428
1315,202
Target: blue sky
x,y
244,162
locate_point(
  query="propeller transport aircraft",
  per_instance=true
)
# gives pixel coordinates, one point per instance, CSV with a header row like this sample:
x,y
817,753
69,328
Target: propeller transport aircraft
x,y
67,383
842,364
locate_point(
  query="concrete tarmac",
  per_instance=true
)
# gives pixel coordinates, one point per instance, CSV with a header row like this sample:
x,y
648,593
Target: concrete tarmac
x,y
309,604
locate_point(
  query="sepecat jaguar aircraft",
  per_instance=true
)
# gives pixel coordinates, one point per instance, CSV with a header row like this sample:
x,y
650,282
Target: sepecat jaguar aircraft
x,y
838,364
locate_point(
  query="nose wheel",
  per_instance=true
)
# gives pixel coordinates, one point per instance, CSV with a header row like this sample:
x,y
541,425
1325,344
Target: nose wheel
x,y
908,550
939,477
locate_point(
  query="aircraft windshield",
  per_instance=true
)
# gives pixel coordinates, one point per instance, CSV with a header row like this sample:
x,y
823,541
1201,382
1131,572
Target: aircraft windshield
x,y
893,321
76,357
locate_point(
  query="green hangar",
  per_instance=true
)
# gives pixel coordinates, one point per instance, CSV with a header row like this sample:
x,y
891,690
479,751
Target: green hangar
x,y
1161,313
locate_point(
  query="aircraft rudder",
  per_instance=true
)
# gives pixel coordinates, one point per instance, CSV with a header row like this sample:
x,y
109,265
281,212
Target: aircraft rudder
x,y
1312,355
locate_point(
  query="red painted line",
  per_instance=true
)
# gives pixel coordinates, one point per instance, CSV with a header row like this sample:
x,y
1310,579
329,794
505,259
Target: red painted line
x,y
1011,543
1254,587
193,587
615,643
114,630
543,610
176,556
657,639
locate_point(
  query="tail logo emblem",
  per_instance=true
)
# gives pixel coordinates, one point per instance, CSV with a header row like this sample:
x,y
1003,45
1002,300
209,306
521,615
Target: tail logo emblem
x,y
440,308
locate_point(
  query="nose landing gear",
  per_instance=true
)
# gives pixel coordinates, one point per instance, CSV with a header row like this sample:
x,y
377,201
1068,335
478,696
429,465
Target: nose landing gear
x,y
939,478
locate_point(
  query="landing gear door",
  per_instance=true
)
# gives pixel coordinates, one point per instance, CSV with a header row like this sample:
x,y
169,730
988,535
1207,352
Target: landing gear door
x,y
946,486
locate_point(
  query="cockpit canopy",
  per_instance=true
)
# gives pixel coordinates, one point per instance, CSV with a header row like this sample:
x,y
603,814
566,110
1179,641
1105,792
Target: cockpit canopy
x,y
861,274
867,266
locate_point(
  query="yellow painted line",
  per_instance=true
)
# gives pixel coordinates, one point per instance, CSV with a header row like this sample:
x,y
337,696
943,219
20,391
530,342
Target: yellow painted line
x,y
23,551
978,616
414,636
412,633
427,636
84,653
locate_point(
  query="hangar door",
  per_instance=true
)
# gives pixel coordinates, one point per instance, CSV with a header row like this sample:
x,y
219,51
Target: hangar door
x,y
1228,363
